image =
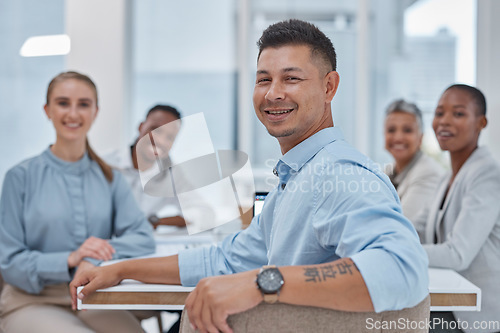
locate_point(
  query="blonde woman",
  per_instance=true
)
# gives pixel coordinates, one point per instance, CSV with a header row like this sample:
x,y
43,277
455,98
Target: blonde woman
x,y
62,212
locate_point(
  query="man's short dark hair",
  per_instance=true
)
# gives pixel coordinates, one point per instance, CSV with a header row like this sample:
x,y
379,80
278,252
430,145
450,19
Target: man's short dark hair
x,y
297,32
476,95
165,108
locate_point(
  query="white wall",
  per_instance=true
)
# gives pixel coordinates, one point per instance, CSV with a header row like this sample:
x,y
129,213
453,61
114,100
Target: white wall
x,y
99,49
488,69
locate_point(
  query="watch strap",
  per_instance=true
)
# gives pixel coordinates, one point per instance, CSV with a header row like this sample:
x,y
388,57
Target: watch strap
x,y
271,298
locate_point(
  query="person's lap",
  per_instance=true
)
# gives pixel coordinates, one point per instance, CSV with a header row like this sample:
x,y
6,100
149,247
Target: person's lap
x,y
53,318
110,321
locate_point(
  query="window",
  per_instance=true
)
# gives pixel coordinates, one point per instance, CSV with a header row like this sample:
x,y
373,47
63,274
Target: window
x,y
414,50
184,55
437,54
24,128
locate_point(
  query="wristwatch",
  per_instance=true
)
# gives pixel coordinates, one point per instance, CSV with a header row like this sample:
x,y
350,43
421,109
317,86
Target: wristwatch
x,y
269,281
153,219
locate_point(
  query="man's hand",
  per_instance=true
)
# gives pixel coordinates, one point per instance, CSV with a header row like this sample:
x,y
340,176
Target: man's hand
x,y
215,298
161,270
83,266
92,278
93,247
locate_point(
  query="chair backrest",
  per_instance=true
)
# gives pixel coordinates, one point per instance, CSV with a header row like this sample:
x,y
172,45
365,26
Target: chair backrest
x,y
291,318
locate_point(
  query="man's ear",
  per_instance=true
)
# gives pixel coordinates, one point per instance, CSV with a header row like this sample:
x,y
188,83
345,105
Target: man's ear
x,y
332,80
483,122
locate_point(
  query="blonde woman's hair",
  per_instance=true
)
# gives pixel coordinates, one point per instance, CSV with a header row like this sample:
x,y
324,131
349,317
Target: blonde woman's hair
x,y
106,169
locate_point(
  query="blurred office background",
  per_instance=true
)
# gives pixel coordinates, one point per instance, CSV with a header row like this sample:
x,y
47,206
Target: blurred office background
x,y
200,56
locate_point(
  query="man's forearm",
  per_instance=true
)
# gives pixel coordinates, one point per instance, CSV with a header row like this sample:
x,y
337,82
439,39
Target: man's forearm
x,y
336,285
161,270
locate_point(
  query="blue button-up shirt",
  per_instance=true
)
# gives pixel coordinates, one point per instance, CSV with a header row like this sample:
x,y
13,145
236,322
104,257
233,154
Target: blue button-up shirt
x,y
331,202
49,207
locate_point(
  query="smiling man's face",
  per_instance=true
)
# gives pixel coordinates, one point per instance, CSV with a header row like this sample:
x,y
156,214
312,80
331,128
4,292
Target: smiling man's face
x,y
291,94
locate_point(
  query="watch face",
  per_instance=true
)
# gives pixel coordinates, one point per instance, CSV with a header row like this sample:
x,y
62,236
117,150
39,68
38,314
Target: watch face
x,y
270,280
153,219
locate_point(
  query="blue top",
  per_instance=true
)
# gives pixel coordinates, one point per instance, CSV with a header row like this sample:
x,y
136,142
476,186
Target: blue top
x,y
49,207
331,202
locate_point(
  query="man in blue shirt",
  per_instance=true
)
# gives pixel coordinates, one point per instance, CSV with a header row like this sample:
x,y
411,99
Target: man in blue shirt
x,y
333,225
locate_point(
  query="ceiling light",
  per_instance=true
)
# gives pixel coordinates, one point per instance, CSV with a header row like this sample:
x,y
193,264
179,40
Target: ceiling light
x,y
39,46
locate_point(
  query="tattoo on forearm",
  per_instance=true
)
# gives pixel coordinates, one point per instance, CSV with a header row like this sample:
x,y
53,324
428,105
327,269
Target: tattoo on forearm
x,y
330,271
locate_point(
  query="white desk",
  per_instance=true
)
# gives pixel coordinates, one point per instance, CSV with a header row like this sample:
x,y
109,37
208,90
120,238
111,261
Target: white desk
x,y
449,292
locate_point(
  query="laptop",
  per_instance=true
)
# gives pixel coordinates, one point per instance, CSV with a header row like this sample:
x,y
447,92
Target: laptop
x,y
259,202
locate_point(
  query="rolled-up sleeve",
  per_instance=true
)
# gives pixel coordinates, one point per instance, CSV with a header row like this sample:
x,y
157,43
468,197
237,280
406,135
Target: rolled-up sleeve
x,y
364,222
240,252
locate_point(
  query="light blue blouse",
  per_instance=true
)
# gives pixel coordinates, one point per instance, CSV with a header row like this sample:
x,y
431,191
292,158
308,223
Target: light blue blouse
x,y
331,202
49,207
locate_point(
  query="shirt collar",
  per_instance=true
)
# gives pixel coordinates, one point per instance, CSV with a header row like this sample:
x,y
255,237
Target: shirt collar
x,y
299,155
67,167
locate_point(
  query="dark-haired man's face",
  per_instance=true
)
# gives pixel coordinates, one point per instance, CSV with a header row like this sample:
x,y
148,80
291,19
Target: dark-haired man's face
x,y
291,94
